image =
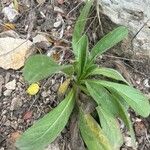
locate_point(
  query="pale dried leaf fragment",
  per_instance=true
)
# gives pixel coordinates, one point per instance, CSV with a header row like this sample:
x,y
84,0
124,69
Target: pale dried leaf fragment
x,y
63,87
13,52
9,26
40,1
16,4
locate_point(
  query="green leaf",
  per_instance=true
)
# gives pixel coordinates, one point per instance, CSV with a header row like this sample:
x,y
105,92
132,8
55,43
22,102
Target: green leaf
x,y
113,103
111,128
108,41
39,67
92,134
132,96
80,25
108,72
68,70
88,70
48,128
83,49
101,96
123,114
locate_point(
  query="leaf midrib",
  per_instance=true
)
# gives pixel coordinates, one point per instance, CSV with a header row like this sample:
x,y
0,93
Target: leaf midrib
x,y
52,124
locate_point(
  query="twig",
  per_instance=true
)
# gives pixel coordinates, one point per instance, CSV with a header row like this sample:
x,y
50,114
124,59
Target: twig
x,y
122,58
99,20
74,9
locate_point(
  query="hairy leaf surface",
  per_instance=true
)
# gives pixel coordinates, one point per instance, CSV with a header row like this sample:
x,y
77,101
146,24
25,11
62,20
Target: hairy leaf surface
x,y
124,115
48,128
92,134
39,67
83,50
80,26
101,96
132,96
108,72
111,128
108,41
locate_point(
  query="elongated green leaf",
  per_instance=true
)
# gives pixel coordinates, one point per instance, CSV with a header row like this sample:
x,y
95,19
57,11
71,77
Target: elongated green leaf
x,y
83,49
108,41
101,96
39,67
88,70
111,128
48,128
123,114
132,96
80,25
92,134
113,103
108,72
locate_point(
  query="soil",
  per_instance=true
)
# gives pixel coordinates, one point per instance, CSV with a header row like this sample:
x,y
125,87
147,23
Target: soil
x,y
18,110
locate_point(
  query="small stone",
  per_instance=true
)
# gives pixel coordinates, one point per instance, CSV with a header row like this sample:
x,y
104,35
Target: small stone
x,y
14,125
4,112
44,94
57,24
128,141
16,103
55,87
40,38
11,85
57,9
146,83
11,14
60,2
4,118
9,33
53,146
7,123
7,92
14,52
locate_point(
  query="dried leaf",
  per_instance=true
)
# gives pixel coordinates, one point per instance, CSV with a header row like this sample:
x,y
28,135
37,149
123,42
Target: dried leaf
x,y
56,56
63,87
15,136
92,133
27,115
9,26
16,5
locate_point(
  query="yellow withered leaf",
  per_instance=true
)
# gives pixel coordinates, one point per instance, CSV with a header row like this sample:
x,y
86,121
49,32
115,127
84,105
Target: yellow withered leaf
x,y
16,5
33,89
63,87
9,26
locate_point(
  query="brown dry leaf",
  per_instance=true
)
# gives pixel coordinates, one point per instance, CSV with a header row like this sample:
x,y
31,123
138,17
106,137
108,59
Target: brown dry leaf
x,y
50,40
12,140
15,136
56,56
9,26
13,52
63,87
27,115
